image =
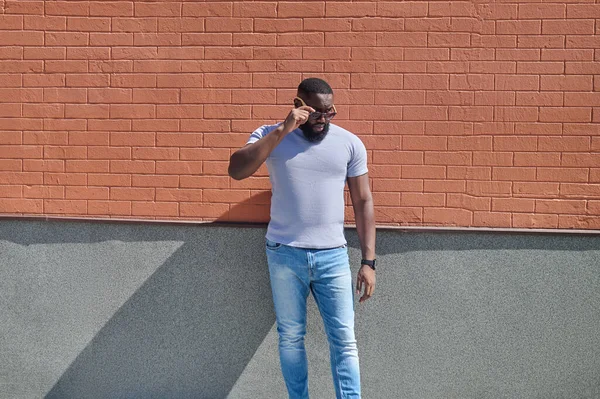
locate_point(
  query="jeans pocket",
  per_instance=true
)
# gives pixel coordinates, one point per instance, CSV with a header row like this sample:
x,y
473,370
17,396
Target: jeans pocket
x,y
273,245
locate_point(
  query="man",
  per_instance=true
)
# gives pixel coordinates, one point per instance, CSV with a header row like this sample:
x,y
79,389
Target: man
x,y
309,161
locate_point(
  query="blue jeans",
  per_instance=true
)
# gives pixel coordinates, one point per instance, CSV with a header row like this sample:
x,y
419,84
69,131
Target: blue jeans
x,y
294,272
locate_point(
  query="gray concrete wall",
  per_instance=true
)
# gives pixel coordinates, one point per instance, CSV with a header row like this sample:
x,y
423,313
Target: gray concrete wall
x,y
109,310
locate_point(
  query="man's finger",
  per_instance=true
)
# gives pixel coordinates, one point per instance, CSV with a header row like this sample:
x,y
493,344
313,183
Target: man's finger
x,y
358,284
307,108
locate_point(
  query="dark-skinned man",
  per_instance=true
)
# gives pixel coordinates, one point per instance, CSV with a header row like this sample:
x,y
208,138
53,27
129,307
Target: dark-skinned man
x,y
309,161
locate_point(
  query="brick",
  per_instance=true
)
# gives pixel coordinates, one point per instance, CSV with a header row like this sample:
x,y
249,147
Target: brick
x,y
301,39
111,208
540,67
134,24
429,54
52,138
89,138
66,39
564,144
471,82
367,24
581,160
578,222
208,9
388,97
539,99
87,80
112,8
566,83
492,219
158,125
223,24
42,192
86,111
571,114
126,166
448,217
500,98
580,190
537,159
567,55
42,23
132,111
514,173
535,221
542,11
14,66
178,194
503,67
301,10
138,80
41,53
19,205
471,54
158,9
425,113
489,188
132,193
398,128
568,27
155,96
280,25
452,40
471,114
515,143
560,206
521,27
16,165
452,97
562,174
11,22
255,9
143,208
403,9
463,201
444,186
65,179
535,189
84,193
98,152
513,205
193,125
489,158
423,199
469,173
154,181
423,172
178,167
541,41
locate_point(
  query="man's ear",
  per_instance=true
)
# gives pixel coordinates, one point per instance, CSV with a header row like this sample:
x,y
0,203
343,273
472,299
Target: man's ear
x,y
297,103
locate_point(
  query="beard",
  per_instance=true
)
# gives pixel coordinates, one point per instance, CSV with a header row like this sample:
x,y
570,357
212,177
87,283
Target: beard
x,y
314,136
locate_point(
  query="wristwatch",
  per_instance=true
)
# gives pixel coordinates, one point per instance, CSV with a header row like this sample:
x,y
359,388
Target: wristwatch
x,y
370,263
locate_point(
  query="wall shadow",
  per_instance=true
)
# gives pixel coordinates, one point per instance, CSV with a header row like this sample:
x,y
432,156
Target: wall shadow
x,y
191,328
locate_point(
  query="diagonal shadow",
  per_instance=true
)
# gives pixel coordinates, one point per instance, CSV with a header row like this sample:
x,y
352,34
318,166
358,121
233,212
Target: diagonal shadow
x,y
188,332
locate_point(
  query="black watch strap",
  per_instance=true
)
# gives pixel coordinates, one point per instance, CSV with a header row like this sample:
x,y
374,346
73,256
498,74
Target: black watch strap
x,y
370,263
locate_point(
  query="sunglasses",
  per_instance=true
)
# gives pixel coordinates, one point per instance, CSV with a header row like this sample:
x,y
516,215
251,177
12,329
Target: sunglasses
x,y
318,115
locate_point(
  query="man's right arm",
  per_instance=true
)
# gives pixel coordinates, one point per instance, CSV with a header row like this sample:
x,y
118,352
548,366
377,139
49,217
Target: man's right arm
x,y
245,161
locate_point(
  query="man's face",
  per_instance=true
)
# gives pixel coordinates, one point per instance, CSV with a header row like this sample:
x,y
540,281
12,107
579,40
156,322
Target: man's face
x,y
315,129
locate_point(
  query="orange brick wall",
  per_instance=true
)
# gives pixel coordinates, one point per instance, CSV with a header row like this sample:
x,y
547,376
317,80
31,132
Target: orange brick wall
x,y
474,113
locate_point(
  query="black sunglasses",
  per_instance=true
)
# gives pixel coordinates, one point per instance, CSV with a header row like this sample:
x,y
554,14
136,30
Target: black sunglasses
x,y
318,115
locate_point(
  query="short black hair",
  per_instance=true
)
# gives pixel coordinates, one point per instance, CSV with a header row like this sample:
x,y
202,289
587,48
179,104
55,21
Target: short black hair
x,y
314,85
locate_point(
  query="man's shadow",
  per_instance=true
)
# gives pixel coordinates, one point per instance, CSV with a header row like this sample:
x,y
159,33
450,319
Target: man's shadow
x,y
191,328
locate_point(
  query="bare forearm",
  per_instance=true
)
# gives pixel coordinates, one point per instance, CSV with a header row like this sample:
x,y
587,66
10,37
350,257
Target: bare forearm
x,y
365,227
244,162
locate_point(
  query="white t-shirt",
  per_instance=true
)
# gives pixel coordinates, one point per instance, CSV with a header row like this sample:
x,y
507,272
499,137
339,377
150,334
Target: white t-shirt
x,y
307,181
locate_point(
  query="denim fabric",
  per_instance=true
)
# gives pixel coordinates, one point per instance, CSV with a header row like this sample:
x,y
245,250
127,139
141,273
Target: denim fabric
x,y
294,272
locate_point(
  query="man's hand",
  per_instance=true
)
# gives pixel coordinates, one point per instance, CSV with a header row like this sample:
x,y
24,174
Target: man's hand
x,y
296,117
366,278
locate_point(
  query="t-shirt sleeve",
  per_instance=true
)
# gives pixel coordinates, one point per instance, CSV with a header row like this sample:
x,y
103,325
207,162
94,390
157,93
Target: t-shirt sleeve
x,y
260,133
358,159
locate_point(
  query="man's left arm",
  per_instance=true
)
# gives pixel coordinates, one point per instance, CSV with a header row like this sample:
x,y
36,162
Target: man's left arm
x,y
362,202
